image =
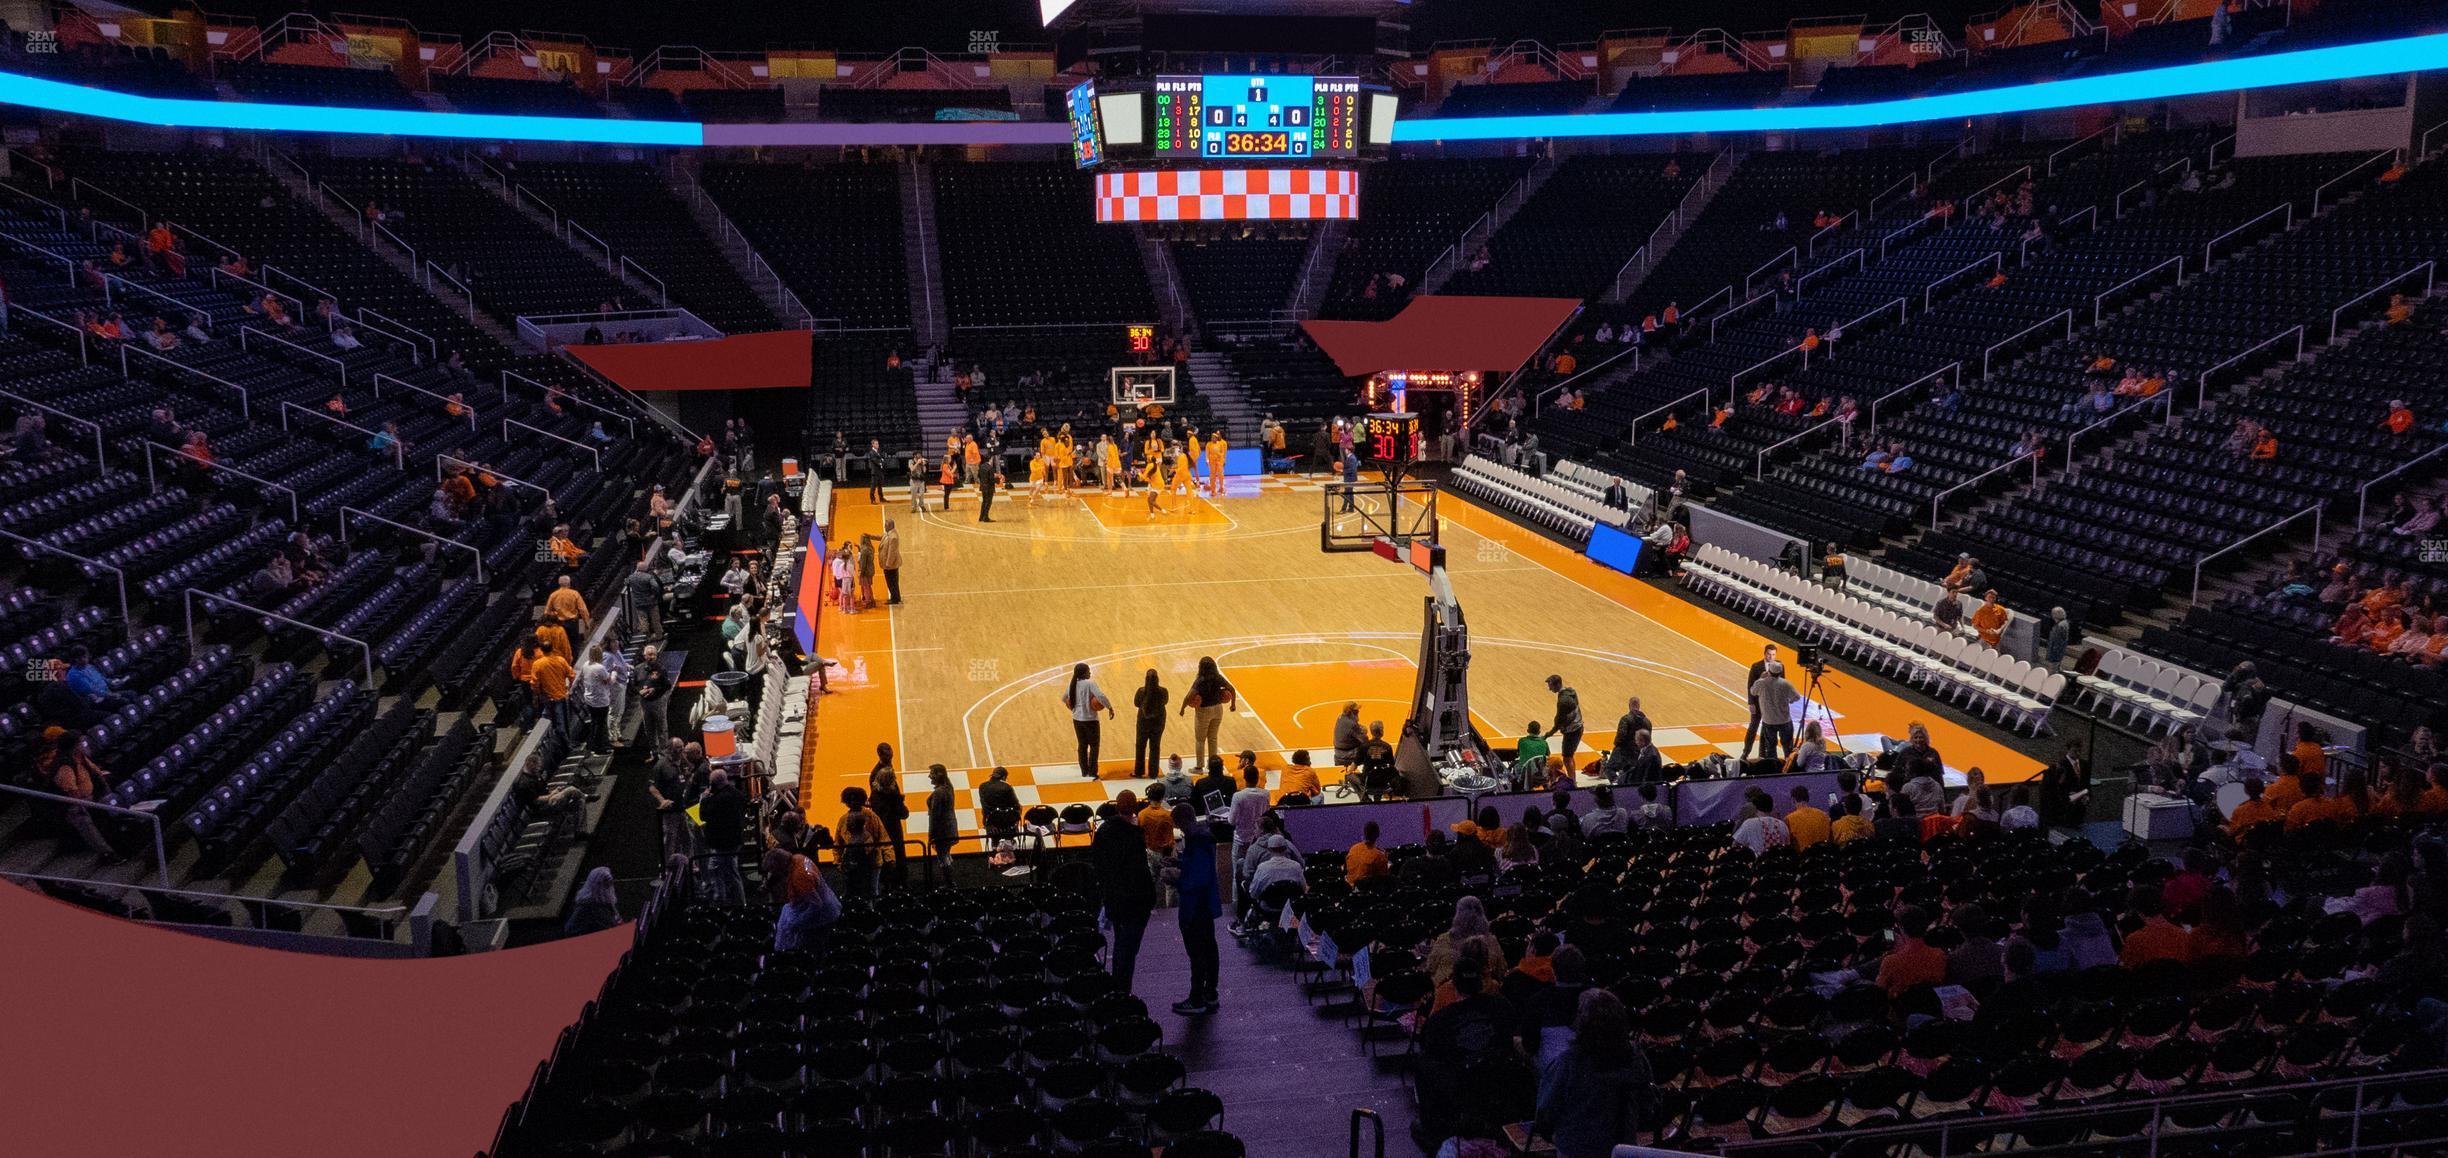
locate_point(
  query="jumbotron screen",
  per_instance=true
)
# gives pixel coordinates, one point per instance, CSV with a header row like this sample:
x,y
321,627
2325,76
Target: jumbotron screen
x,y
1256,117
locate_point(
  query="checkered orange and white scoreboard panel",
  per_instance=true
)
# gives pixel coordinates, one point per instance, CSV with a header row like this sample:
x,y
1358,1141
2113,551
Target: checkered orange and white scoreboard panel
x,y
1228,195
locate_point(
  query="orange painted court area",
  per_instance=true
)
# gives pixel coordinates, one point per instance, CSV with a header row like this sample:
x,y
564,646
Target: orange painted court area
x,y
969,670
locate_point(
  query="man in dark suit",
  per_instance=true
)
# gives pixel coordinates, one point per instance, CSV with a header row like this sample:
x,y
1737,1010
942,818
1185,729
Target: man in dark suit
x,y
875,471
988,479
1751,730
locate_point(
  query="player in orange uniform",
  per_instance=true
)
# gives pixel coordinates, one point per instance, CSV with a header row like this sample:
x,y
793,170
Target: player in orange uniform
x,y
1184,482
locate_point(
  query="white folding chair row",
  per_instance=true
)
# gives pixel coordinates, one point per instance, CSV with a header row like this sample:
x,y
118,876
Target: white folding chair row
x,y
1958,667
1898,592
1542,500
2145,691
1596,482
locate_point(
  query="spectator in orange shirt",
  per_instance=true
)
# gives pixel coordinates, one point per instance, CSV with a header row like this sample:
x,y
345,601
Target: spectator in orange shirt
x,y
1808,824
562,548
1989,619
1810,340
1301,779
2158,939
2400,417
1365,859
2253,812
2398,310
2308,753
1912,961
2265,445
553,675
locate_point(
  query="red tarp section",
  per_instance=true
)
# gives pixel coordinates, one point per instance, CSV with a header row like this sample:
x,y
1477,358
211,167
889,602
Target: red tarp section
x,y
1445,333
740,362
123,1039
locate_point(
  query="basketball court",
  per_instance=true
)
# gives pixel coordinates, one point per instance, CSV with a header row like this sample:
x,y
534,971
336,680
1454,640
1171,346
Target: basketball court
x,y
969,671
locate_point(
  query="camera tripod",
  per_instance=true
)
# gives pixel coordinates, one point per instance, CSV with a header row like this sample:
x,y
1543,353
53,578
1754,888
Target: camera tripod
x,y
1814,691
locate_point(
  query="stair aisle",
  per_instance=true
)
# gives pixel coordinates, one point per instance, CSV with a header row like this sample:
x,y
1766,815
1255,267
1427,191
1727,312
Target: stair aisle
x,y
924,253
1227,398
939,408
1290,1074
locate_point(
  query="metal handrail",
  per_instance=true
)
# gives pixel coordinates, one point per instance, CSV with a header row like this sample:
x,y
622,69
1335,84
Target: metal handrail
x,y
2203,381
2288,209
322,189
87,423
2422,146
415,356
1918,223
1633,437
1759,469
1904,183
2357,167
213,277
246,401
79,185
2363,493
1930,171
2314,510
1964,203
1734,380
2118,205
397,327
84,349
445,399
385,912
2429,270
2165,398
1619,355
662,292
396,239
1940,498
337,364
523,191
1728,291
566,396
1853,255
574,227
2210,156
1952,1137
108,278
127,624
161,847
1640,257
270,270
1772,263
1929,292
175,227
1909,387
1899,305
399,456
1810,246
1736,310
439,459
2050,165
2099,299
190,597
295,520
507,423
434,270
2090,211
478,555
2025,332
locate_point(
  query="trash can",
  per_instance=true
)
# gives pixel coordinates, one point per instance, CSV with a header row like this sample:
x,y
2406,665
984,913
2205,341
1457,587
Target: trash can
x,y
732,686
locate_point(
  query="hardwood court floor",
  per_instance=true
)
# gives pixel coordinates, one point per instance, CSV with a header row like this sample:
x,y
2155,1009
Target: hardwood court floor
x,y
970,670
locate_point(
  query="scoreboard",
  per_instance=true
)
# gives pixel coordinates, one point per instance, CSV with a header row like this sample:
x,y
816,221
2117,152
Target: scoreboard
x,y
1391,439
1255,117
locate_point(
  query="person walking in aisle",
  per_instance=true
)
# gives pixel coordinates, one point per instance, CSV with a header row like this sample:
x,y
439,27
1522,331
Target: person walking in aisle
x,y
654,689
1201,906
1148,739
646,599
596,682
1119,852
1210,694
1567,726
1085,699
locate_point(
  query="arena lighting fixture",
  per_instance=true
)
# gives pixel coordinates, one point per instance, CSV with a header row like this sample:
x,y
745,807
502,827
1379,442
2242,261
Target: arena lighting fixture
x,y
2341,62
173,112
